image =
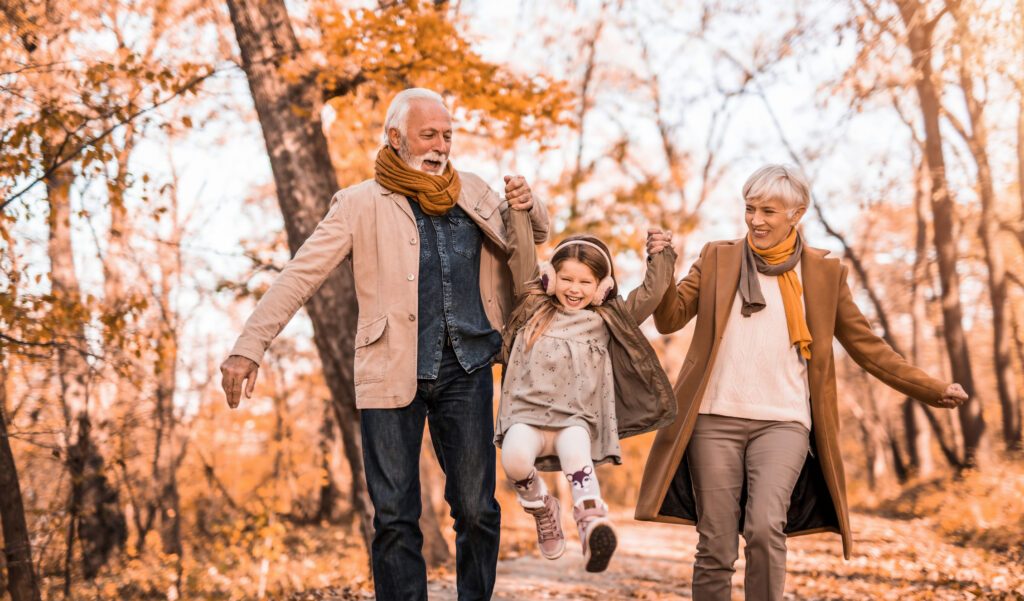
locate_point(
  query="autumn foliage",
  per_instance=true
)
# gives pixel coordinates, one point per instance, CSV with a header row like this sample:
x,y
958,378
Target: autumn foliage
x,y
139,221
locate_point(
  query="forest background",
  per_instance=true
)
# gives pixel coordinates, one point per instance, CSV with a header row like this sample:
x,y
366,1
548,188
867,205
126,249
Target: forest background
x,y
141,216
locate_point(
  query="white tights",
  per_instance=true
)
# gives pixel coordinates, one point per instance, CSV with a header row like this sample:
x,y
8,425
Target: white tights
x,y
522,445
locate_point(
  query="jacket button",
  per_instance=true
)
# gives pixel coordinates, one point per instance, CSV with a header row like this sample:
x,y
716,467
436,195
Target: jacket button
x,y
412,317
411,277
412,240
365,340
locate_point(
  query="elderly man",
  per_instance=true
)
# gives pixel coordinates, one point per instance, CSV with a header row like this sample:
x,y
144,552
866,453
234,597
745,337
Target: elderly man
x,y
429,258
755,446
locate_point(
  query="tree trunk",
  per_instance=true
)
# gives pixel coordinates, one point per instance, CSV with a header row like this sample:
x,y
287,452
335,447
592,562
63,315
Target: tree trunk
x,y
168,442
1020,124
919,448
1020,154
988,231
289,115
919,42
329,492
94,502
21,578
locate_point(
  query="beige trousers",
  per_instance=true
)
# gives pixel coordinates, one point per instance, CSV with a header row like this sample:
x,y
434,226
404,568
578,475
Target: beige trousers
x,y
723,452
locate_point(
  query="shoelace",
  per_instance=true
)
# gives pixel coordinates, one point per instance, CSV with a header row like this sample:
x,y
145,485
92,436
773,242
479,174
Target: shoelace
x,y
547,527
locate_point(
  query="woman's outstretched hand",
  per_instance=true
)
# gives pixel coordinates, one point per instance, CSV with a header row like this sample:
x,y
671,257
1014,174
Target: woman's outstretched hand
x,y
954,396
657,240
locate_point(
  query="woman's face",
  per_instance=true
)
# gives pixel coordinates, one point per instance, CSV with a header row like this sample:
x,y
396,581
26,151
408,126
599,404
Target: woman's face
x,y
769,222
575,285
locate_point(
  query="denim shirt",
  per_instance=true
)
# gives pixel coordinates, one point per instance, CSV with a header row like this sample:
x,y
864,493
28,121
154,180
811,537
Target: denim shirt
x,y
449,293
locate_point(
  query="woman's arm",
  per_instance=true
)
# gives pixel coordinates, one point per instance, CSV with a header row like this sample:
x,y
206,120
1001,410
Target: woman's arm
x,y
872,353
679,303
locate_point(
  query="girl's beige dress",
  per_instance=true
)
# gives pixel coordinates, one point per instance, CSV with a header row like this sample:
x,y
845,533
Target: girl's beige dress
x,y
564,380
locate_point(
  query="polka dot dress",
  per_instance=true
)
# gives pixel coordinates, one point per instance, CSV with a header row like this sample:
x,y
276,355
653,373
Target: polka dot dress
x,y
564,380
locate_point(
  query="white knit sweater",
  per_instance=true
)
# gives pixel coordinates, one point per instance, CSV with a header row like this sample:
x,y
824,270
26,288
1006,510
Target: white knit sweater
x,y
758,374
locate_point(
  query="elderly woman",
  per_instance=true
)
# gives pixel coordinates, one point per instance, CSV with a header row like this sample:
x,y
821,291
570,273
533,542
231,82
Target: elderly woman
x,y
755,446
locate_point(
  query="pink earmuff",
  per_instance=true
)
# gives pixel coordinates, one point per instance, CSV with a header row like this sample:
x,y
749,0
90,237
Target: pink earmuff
x,y
604,287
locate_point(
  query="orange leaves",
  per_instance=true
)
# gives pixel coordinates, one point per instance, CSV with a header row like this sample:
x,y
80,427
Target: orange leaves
x,y
414,44
63,107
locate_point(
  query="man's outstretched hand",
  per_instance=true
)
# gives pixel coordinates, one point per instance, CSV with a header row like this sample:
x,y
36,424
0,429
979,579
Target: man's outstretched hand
x,y
235,370
953,397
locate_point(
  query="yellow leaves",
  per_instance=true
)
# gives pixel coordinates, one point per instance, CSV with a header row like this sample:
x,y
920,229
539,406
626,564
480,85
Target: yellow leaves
x,y
415,44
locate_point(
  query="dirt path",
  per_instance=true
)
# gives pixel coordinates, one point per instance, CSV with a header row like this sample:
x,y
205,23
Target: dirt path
x,y
893,559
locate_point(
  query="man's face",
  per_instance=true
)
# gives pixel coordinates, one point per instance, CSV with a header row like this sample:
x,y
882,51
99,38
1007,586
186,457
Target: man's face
x,y
769,222
427,139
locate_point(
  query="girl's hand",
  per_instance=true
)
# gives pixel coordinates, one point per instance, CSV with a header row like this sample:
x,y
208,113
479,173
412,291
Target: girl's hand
x,y
657,240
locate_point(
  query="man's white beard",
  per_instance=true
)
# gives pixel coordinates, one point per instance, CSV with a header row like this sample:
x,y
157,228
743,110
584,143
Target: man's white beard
x,y
416,161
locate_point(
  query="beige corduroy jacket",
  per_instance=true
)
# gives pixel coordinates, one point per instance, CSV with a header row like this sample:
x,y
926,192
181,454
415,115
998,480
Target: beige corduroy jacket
x,y
377,229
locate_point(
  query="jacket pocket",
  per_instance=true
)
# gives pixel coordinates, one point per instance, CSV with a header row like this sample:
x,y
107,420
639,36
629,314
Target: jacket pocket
x,y
371,350
465,236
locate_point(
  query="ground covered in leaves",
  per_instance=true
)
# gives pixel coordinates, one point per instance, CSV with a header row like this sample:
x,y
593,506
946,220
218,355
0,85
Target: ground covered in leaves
x,y
893,559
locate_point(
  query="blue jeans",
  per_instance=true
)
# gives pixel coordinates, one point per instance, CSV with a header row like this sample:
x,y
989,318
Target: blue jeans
x,y
459,408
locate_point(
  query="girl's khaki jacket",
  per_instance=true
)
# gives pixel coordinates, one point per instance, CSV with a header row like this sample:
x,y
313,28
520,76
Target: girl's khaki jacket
x,y
818,503
643,394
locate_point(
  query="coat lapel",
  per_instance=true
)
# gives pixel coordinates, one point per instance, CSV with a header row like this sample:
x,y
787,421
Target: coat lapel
x,y
726,283
398,199
486,215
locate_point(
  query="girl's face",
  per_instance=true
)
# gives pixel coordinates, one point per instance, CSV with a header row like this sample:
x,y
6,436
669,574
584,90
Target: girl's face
x,y
575,285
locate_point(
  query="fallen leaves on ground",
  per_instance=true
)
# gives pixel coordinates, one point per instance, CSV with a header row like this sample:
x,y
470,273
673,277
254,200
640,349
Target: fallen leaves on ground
x,y
893,559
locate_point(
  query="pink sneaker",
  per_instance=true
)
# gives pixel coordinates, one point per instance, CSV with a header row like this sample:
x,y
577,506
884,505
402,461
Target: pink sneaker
x,y
550,538
597,535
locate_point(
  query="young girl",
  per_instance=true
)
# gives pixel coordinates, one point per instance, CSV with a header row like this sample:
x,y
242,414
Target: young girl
x,y
579,375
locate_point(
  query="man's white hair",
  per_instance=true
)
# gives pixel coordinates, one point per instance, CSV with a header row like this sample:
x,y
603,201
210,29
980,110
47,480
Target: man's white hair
x,y
398,111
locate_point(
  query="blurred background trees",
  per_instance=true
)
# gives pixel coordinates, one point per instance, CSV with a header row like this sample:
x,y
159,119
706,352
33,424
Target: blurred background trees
x,y
161,160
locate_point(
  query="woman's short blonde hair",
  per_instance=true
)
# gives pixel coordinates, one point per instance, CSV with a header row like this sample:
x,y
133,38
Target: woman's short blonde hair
x,y
783,182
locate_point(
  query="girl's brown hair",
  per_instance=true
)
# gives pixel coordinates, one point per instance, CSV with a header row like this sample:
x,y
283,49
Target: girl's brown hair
x,y
585,254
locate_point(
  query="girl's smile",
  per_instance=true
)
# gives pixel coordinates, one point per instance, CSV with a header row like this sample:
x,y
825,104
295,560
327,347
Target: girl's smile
x,y
575,285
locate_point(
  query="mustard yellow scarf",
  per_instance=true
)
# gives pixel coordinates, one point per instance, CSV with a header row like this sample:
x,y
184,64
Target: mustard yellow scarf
x,y
779,261
436,194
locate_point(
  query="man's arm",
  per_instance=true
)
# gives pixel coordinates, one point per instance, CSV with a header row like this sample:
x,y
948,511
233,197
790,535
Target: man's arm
x,y
318,256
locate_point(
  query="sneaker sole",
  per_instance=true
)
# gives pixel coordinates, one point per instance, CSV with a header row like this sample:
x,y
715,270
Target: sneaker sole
x,y
554,555
601,543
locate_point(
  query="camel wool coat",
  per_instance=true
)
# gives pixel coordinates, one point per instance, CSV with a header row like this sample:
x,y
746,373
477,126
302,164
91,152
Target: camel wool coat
x,y
818,502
